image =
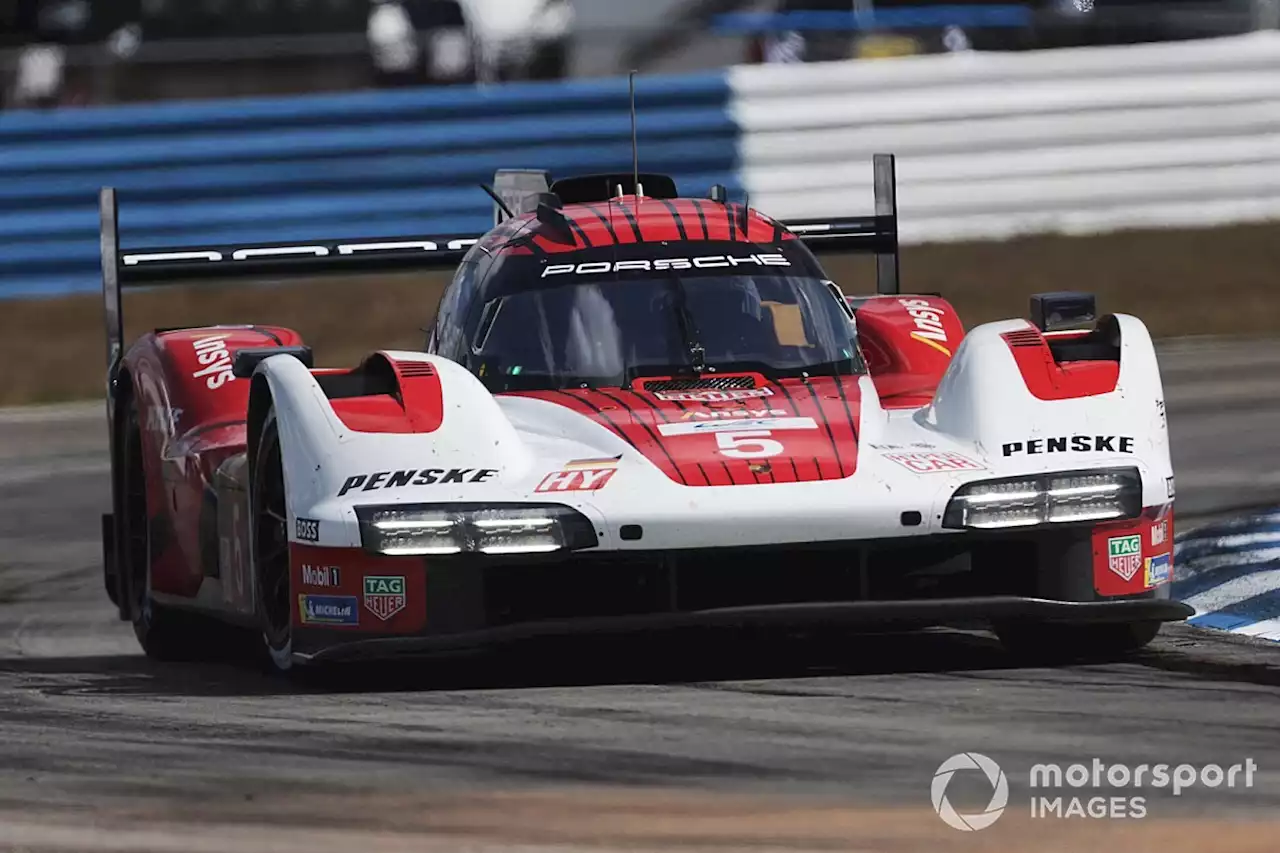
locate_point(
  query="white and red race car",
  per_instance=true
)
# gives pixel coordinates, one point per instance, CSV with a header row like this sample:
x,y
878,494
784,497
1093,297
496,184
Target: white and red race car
x,y
634,411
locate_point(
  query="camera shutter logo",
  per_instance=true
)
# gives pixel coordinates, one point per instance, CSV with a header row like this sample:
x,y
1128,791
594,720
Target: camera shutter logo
x,y
999,791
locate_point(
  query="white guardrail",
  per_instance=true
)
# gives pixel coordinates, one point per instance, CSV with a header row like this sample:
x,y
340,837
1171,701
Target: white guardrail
x,y
991,145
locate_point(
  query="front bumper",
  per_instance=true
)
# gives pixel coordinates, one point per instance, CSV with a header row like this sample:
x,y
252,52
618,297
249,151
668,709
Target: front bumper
x,y
852,614
1057,575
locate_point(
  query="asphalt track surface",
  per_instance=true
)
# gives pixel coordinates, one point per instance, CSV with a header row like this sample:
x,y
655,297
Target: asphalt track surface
x,y
798,744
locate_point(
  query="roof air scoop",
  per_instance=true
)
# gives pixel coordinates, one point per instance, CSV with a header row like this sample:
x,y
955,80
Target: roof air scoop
x,y
520,191
586,189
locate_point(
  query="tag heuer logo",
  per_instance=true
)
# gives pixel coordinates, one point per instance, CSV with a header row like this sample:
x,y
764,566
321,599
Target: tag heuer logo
x,y
1124,555
384,595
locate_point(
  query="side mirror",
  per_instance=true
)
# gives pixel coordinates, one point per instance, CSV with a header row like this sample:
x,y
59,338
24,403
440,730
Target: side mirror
x,y
1051,312
246,360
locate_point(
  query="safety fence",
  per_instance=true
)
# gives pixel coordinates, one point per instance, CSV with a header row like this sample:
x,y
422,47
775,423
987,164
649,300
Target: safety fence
x,y
992,145
989,145
368,164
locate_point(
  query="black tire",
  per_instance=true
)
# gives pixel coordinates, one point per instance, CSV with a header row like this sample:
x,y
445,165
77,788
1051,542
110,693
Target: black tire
x,y
165,634
1050,642
270,539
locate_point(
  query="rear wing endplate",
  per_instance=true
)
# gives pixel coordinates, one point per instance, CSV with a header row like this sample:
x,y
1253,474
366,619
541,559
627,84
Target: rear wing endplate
x,y
876,234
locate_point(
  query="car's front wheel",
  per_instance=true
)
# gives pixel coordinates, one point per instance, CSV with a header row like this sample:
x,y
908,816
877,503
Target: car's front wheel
x,y
1049,642
271,547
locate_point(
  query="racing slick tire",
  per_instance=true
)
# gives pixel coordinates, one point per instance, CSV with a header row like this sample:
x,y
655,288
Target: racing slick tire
x,y
1049,642
270,538
165,633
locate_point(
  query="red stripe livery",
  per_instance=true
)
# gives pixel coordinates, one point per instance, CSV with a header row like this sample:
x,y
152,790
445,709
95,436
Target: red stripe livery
x,y
793,431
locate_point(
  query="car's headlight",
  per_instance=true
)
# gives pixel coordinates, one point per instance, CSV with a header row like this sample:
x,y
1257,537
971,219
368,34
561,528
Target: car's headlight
x,y
1059,497
442,529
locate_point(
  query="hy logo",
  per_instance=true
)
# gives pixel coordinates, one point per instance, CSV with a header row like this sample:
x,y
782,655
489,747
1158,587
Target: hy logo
x,y
999,792
384,595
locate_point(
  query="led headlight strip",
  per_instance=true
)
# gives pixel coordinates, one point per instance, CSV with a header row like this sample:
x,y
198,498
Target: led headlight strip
x,y
1059,497
495,529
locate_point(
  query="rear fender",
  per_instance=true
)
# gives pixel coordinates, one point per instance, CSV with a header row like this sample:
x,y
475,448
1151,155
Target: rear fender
x,y
908,342
191,411
197,365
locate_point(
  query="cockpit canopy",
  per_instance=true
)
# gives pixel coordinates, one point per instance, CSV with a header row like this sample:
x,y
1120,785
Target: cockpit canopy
x,y
606,323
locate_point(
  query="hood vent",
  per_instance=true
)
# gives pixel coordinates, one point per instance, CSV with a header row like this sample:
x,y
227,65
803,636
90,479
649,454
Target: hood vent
x,y
702,383
1023,338
410,369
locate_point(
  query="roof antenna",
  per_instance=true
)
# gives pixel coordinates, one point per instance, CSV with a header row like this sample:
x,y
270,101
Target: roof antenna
x,y
498,199
635,142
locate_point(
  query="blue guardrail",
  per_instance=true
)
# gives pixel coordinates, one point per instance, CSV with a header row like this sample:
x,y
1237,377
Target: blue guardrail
x,y
366,164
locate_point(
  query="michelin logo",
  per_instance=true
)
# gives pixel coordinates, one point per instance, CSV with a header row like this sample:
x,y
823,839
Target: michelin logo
x,y
329,609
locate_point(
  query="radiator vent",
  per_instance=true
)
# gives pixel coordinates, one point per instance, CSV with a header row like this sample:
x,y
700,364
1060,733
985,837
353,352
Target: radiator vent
x,y
1024,338
702,383
413,369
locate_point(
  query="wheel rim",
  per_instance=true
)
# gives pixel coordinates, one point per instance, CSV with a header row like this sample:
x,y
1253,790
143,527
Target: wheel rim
x,y
271,536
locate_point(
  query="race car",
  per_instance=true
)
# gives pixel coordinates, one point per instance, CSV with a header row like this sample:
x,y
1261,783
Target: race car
x,y
635,410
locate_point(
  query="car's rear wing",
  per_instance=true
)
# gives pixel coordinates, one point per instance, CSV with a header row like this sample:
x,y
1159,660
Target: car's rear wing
x,y
876,234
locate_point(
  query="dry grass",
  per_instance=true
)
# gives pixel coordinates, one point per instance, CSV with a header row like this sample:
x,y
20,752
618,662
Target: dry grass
x,y
1221,281
593,820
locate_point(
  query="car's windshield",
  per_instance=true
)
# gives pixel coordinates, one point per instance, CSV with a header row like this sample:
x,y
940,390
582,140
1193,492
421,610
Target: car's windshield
x,y
611,332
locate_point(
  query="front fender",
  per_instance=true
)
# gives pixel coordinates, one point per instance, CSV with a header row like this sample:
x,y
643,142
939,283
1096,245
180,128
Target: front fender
x,y
983,398
321,452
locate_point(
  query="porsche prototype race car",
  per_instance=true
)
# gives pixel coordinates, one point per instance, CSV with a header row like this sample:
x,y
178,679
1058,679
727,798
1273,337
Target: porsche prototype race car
x,y
635,410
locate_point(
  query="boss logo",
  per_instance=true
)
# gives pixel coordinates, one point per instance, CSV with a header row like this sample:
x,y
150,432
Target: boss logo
x,y
307,529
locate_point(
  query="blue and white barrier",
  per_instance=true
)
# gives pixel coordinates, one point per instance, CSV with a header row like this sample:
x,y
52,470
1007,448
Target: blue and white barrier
x,y
1230,573
992,145
988,145
365,164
